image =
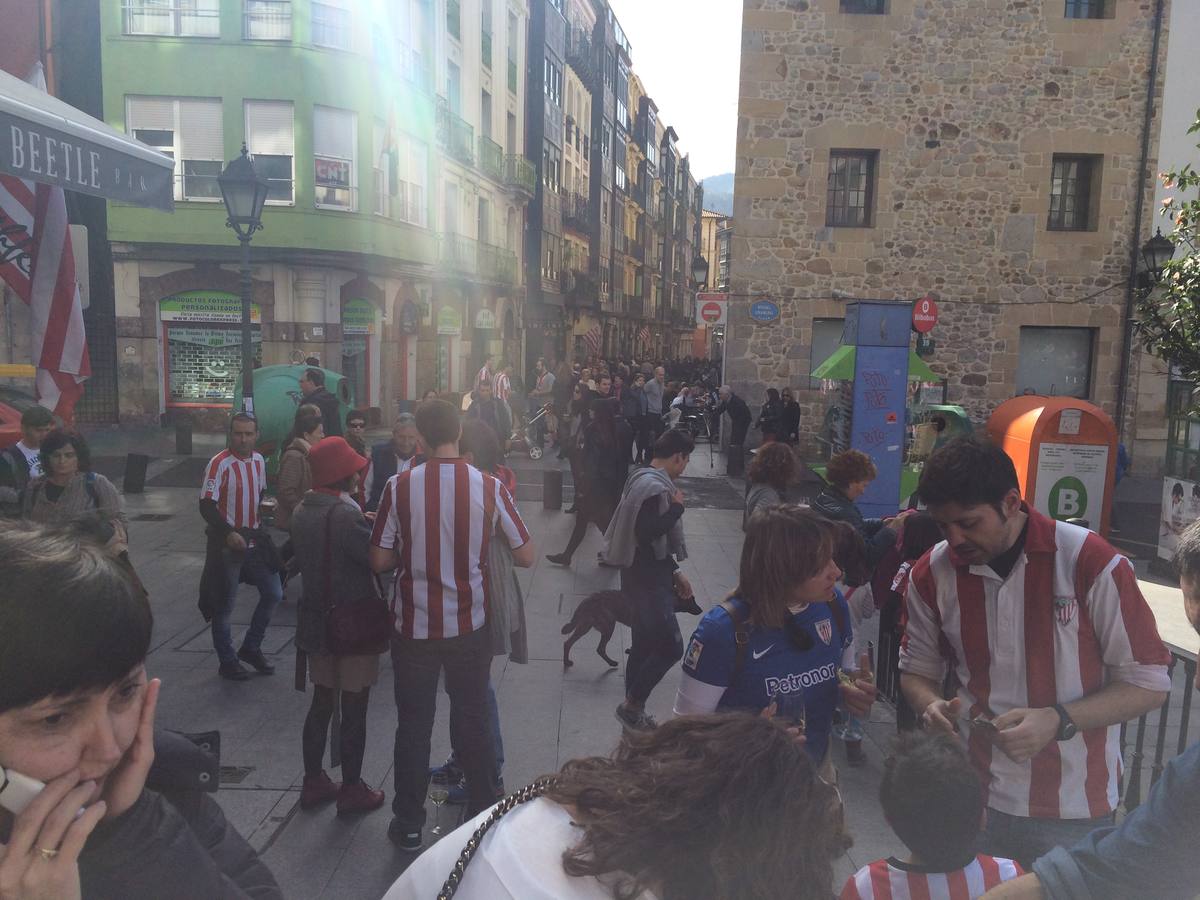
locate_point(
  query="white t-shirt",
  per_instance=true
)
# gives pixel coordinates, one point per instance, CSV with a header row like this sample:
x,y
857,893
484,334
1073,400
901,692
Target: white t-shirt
x,y
520,859
32,460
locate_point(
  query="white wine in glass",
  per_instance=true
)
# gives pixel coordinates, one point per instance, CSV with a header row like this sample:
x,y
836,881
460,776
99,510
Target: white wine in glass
x,y
439,795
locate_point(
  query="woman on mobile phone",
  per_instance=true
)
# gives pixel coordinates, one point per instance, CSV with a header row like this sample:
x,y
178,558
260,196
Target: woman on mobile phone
x,y
795,628
77,728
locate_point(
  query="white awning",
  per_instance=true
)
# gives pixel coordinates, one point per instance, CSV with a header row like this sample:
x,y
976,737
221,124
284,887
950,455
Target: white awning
x,y
46,140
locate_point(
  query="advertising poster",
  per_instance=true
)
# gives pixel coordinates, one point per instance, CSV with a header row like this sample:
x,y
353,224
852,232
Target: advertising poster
x,y
1070,481
1180,508
880,391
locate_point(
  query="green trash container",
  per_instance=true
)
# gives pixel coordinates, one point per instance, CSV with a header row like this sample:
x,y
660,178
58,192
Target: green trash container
x,y
277,395
951,422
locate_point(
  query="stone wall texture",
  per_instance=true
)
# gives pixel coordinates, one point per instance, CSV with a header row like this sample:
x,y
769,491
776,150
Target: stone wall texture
x,y
965,102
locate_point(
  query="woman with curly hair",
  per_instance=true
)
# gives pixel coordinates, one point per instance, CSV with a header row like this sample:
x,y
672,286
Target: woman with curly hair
x,y
768,477
727,807
849,473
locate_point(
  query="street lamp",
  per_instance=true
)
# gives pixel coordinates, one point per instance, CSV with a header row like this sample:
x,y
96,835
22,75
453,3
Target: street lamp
x,y
700,271
1156,253
244,192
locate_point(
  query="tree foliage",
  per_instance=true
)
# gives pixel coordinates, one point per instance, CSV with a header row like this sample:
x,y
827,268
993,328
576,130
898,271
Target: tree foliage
x,y
1167,318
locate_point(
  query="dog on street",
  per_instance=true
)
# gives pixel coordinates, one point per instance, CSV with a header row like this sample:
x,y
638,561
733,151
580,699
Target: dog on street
x,y
602,611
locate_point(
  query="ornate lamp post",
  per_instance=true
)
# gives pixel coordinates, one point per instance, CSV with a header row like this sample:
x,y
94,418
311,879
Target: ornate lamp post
x,y
244,192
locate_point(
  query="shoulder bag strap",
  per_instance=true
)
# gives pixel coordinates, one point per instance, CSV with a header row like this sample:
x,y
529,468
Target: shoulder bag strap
x,y
507,805
329,558
741,636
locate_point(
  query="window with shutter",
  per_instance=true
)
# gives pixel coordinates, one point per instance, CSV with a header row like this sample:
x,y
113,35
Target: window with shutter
x,y
415,183
331,25
333,157
189,130
270,139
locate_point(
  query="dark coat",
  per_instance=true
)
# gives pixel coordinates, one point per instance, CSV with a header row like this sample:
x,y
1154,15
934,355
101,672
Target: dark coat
x,y
738,411
791,419
350,574
175,839
833,504
494,414
331,411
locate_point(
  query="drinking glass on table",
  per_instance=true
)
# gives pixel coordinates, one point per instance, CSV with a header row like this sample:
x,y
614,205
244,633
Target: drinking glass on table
x,y
439,795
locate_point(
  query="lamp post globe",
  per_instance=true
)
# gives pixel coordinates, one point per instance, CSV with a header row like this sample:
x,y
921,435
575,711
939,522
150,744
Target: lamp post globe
x,y
1156,253
244,192
700,271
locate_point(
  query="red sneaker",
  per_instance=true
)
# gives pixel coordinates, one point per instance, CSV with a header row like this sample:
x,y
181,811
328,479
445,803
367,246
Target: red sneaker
x,y
318,789
357,798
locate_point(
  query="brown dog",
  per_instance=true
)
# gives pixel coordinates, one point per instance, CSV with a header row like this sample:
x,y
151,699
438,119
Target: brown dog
x,y
602,611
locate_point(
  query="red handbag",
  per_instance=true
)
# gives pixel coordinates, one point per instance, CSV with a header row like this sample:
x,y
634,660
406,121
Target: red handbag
x,y
354,627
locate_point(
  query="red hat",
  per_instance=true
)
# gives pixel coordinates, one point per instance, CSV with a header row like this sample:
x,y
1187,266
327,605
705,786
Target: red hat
x,y
332,459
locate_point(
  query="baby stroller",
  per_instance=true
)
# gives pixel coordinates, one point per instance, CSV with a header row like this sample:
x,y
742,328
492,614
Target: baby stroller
x,y
529,438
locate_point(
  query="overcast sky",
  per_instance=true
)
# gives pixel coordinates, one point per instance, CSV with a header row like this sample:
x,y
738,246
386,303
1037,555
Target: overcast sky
x,y
686,53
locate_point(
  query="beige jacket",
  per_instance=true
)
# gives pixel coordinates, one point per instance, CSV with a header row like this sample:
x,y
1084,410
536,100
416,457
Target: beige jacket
x,y
295,479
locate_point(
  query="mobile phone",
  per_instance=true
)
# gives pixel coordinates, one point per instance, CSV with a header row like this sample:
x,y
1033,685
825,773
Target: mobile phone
x,y
984,724
17,791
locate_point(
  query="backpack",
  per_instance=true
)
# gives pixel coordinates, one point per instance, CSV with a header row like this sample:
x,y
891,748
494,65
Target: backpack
x,y
741,633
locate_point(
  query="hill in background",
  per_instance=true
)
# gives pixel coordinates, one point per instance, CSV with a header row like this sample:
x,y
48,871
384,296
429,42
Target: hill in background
x,y
718,193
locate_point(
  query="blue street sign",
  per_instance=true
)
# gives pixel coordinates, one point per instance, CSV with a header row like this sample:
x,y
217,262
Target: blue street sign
x,y
764,311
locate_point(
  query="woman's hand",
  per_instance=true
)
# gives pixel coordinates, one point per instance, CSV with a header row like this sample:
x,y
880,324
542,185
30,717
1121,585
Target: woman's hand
x,y
795,732
41,859
128,779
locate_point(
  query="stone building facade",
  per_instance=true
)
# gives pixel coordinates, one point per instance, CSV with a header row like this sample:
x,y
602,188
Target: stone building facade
x,y
981,152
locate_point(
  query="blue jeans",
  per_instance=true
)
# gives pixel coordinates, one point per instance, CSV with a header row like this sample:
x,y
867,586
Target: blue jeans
x,y
1024,838
253,567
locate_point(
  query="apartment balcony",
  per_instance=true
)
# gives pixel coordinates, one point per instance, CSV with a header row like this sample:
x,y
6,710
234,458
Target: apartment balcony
x,y
579,288
637,250
458,254
637,193
497,264
577,212
491,159
455,135
520,177
581,56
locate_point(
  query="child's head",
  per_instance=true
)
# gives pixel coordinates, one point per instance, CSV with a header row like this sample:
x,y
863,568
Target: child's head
x,y
921,534
932,798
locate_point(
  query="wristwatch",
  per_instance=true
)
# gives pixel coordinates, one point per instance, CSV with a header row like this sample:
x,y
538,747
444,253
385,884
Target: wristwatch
x,y
1067,728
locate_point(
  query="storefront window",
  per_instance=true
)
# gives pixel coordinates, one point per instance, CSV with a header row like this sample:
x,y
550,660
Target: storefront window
x,y
202,340
1055,362
358,329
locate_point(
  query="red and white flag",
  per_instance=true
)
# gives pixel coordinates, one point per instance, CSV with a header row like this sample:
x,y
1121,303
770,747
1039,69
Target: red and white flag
x,y
594,340
37,262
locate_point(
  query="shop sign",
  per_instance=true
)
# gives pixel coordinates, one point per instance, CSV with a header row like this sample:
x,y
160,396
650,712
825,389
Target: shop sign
x,y
764,311
1071,480
485,320
449,321
332,173
206,306
1180,508
358,317
711,309
214,338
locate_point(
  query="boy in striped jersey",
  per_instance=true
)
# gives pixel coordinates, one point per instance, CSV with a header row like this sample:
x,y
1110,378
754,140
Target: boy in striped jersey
x,y
933,799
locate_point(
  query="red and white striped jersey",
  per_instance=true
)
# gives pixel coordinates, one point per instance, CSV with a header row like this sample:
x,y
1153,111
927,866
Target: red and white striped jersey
x,y
890,879
484,375
236,485
1068,620
440,517
502,386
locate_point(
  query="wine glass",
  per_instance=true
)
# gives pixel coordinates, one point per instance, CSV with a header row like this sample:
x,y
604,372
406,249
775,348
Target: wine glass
x,y
439,795
790,708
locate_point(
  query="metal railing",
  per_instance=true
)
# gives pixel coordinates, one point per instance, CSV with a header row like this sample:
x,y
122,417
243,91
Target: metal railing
x,y
458,253
577,211
519,175
199,18
491,159
268,20
497,264
455,134
580,55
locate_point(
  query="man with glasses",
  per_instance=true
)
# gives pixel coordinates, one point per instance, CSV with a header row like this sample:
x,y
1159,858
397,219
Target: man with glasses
x,y
238,549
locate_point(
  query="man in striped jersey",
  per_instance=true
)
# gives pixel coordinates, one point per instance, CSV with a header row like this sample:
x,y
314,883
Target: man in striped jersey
x,y
932,798
434,526
238,549
1050,640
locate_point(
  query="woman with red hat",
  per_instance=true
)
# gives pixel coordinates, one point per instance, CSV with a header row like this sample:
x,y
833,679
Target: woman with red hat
x,y
332,538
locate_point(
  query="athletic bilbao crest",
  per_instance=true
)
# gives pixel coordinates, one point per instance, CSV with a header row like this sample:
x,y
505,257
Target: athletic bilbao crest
x,y
1064,609
825,631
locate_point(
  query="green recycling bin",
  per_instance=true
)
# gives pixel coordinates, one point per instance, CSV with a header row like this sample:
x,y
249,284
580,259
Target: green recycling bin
x,y
277,395
950,422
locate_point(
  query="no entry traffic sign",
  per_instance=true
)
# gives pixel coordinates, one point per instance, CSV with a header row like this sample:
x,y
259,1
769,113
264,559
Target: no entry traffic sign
x,y
711,309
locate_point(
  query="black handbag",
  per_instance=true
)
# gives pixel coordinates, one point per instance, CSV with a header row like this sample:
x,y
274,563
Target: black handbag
x,y
357,626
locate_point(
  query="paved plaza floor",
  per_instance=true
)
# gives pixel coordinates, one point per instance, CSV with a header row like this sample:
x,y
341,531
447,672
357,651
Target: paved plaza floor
x,y
548,714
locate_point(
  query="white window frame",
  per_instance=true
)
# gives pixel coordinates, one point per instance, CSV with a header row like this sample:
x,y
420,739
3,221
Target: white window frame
x,y
205,16
414,181
146,113
346,26
345,153
276,144
382,205
267,13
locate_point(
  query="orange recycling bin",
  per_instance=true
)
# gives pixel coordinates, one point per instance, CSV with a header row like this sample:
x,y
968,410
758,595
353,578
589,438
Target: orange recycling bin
x,y
1065,451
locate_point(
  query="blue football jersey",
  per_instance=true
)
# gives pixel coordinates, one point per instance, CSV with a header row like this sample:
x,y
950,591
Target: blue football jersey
x,y
775,665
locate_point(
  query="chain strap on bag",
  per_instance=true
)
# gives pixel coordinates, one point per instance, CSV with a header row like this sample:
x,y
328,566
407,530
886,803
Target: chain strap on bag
x,y
507,805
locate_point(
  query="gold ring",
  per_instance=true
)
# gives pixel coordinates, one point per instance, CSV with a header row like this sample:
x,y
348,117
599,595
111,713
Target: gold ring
x,y
47,854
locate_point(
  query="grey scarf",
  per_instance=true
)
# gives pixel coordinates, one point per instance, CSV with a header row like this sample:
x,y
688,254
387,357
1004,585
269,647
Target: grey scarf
x,y
620,541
